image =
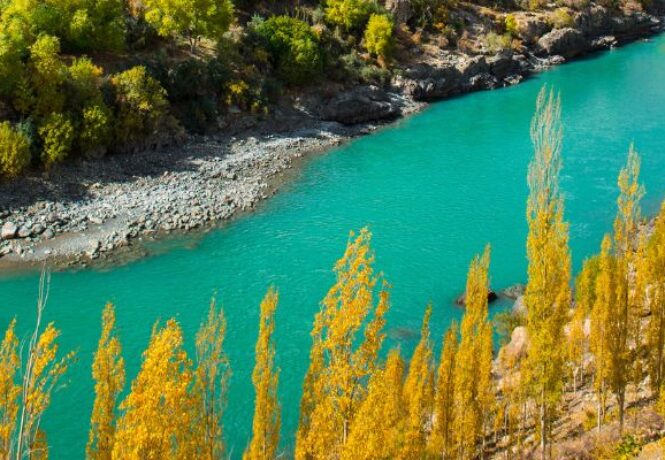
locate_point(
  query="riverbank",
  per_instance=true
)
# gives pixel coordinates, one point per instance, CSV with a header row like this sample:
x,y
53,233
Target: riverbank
x,y
97,212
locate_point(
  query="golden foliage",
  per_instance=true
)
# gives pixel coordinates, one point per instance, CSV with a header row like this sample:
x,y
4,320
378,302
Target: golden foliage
x,y
341,362
266,424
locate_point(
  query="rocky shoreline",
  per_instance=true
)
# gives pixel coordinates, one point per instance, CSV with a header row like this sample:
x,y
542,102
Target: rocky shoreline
x,y
100,211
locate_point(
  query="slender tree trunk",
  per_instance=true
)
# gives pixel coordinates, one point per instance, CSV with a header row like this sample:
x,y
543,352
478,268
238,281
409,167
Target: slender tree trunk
x,y
543,432
621,397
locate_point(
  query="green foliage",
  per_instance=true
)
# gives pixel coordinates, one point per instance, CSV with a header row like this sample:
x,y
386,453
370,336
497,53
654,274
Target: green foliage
x,y
293,46
42,90
84,84
14,150
561,18
505,322
189,18
495,42
98,25
628,448
379,35
510,23
140,105
57,135
349,14
95,132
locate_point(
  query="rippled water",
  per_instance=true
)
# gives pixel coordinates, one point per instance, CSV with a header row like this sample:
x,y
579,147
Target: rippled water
x,y
433,189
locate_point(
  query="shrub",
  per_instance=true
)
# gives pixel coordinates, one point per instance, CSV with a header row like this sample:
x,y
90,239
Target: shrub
x,y
84,83
349,14
293,46
495,42
14,150
379,35
57,134
140,104
47,73
510,23
97,25
561,18
95,129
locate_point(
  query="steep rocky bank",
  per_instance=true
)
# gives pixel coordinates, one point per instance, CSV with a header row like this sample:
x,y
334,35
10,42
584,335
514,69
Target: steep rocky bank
x,y
96,210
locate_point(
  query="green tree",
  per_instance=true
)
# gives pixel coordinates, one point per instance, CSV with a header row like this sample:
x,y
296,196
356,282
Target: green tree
x,y
140,105
192,19
379,35
349,14
295,49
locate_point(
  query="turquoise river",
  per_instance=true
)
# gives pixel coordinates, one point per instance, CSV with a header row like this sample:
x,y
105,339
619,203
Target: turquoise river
x,y
433,189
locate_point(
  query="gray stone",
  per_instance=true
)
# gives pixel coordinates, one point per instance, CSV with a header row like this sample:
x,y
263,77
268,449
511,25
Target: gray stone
x,y
8,231
23,232
565,42
362,104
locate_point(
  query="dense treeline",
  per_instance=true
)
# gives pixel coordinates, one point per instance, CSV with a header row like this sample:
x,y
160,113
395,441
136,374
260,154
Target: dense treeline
x,y
360,401
82,78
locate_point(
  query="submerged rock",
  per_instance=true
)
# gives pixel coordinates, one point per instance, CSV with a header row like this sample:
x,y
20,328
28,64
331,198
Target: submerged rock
x,y
491,297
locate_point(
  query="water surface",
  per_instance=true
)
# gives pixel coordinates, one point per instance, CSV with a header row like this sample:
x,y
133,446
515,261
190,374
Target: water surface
x,y
434,189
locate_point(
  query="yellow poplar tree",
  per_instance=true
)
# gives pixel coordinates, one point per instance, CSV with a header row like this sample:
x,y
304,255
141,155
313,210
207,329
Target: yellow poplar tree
x,y
160,410
211,378
474,394
547,295
108,371
419,394
340,361
9,389
376,433
653,274
265,427
599,339
440,443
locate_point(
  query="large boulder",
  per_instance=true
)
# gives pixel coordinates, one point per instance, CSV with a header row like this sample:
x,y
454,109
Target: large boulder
x,y
519,307
8,231
595,21
362,104
531,27
567,42
502,65
514,291
424,82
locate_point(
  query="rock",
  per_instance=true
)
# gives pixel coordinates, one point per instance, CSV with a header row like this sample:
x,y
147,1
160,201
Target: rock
x,y
424,82
37,229
519,308
514,291
8,231
362,104
400,9
604,42
531,27
23,232
567,42
516,348
491,297
595,21
48,234
502,64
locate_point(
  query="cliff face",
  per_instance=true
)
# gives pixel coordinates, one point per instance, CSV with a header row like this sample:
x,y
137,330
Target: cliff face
x,y
428,72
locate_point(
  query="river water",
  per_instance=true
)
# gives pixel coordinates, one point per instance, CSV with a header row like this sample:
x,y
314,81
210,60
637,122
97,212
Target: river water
x,y
433,189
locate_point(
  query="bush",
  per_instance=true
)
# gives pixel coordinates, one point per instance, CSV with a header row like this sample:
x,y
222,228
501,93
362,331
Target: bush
x,y
97,25
495,42
510,23
379,35
293,47
95,130
14,150
349,14
140,105
561,18
47,75
57,135
84,83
